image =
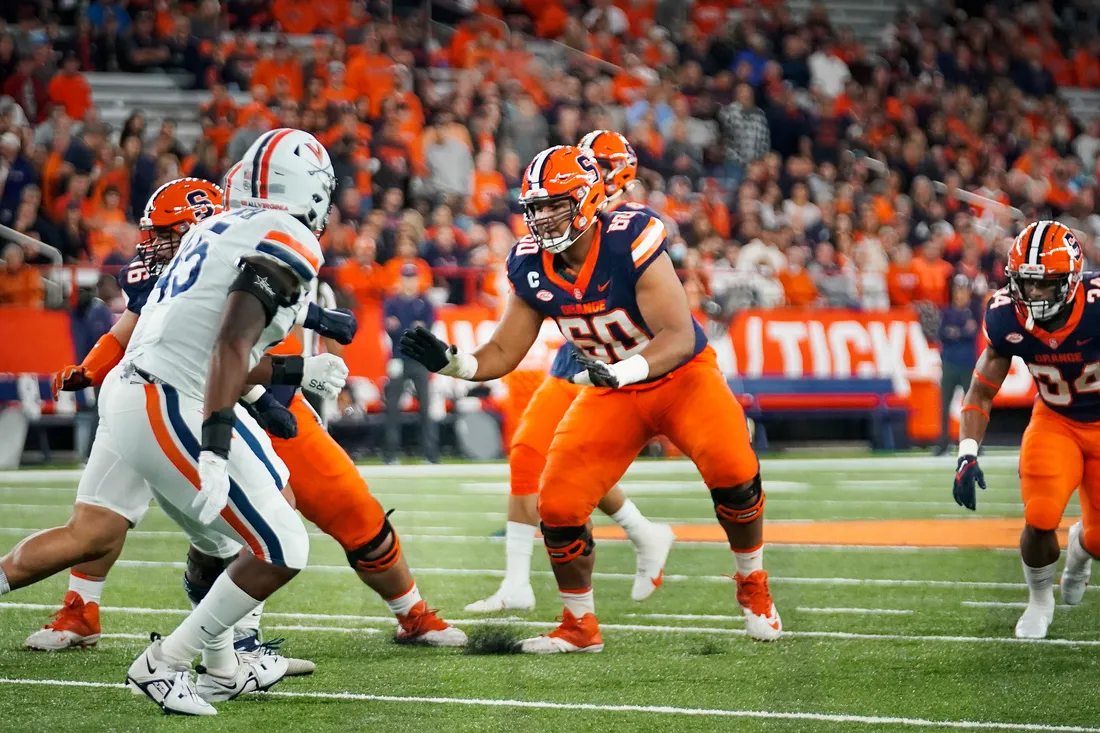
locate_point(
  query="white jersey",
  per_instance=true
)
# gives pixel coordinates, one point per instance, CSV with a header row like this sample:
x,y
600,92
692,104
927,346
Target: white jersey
x,y
175,335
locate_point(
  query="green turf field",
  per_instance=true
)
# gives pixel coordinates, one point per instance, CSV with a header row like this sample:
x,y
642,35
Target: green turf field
x,y
878,638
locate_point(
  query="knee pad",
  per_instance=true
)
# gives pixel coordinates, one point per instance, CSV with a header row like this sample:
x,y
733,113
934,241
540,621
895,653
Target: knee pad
x,y
568,543
525,466
377,556
200,574
741,504
1043,513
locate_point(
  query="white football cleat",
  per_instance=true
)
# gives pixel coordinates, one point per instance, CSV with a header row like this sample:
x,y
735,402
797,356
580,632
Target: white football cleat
x,y
762,621
507,598
256,672
651,555
1078,569
573,635
251,644
170,686
1035,621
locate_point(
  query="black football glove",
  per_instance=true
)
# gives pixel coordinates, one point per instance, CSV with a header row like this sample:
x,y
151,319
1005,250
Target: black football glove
x,y
599,373
338,324
421,344
273,417
71,379
967,473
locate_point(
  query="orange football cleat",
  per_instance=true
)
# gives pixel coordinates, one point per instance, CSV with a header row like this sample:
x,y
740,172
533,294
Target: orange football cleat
x,y
573,635
424,626
75,625
762,621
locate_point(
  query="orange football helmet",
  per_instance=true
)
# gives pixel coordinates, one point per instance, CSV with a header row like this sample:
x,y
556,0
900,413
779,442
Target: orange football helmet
x,y
561,195
1044,270
170,212
616,158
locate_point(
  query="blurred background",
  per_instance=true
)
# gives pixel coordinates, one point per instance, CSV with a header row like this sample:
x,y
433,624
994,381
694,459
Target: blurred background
x,y
841,181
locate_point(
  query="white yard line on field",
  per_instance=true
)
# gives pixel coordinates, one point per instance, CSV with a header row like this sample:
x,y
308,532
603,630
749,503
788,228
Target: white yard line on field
x,y
996,604
846,466
871,720
866,611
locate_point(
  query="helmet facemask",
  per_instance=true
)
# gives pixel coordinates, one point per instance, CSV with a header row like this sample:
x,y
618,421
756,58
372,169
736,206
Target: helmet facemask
x,y
1039,295
551,221
159,245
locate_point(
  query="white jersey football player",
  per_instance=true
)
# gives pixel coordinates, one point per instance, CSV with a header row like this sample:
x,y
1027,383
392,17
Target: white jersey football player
x,y
170,408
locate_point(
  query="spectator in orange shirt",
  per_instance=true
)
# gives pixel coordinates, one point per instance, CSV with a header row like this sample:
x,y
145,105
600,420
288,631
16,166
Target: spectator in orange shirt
x,y
488,184
295,16
20,284
370,72
407,254
361,275
279,63
70,89
337,92
933,272
798,285
901,277
257,108
220,105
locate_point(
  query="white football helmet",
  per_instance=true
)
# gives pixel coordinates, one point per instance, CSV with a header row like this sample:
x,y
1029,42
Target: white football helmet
x,y
286,170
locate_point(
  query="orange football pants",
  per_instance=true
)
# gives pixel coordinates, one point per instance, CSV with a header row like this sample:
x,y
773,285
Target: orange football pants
x,y
328,489
604,430
1058,455
531,442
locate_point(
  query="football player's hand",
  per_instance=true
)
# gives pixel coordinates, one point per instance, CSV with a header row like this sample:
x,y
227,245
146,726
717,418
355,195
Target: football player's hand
x,y
596,373
338,324
967,474
71,379
213,487
272,416
422,345
324,375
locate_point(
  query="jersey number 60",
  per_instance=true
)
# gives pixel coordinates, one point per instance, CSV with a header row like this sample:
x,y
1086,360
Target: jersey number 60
x,y
607,346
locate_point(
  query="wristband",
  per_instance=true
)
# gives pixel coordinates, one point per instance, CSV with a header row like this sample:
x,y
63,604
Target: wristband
x,y
968,447
217,432
632,370
287,370
251,396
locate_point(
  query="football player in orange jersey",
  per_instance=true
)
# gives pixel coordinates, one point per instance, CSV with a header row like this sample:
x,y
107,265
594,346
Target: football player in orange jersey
x,y
610,285
326,485
1044,317
531,443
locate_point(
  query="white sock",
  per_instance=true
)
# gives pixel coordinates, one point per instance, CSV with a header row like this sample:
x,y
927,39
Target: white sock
x,y
579,603
631,520
223,606
401,605
1040,584
250,624
89,589
4,588
748,562
218,656
519,545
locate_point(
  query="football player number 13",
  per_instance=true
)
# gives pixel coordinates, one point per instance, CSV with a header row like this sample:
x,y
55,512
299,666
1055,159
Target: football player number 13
x,y
609,337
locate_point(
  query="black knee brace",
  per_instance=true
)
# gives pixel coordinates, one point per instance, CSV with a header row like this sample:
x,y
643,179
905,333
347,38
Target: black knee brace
x,y
375,557
567,543
740,504
200,574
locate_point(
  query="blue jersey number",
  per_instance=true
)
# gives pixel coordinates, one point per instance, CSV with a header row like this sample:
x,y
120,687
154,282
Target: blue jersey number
x,y
184,270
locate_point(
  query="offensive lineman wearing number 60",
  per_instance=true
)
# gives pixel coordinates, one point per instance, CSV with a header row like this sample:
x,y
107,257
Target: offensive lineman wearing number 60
x,y
608,282
1044,317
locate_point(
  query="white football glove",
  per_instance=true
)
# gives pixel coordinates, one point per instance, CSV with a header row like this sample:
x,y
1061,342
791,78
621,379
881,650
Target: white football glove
x,y
214,487
324,375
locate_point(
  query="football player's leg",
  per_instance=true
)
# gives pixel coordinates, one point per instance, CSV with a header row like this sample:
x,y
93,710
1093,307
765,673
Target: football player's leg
x,y
330,492
1046,485
700,415
111,498
145,418
652,541
596,441
526,459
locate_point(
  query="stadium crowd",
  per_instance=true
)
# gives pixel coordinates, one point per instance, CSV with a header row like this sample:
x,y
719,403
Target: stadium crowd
x,y
793,165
